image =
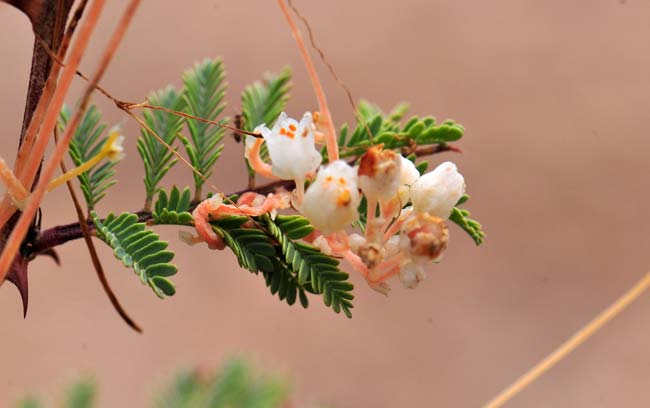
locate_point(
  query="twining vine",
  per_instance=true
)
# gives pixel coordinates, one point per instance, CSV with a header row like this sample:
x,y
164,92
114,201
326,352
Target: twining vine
x,y
297,254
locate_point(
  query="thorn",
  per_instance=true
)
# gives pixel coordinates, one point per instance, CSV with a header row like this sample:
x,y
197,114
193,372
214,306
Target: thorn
x,y
18,276
52,254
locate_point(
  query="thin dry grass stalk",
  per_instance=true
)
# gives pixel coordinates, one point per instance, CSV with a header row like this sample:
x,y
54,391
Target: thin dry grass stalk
x,y
94,257
571,344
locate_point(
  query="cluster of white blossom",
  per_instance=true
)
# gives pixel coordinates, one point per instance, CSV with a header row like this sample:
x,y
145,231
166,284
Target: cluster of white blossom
x,y
409,230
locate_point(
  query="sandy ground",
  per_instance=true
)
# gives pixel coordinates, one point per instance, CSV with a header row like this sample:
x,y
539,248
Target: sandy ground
x,y
554,97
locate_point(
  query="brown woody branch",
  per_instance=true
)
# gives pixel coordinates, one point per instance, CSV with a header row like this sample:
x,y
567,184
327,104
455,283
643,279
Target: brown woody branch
x,y
61,234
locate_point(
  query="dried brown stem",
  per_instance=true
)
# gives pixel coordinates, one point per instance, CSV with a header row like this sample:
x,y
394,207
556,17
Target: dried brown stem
x,y
101,274
49,87
188,116
47,25
19,231
61,234
330,68
330,132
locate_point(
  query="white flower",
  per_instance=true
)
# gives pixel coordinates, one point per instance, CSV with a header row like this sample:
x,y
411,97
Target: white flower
x,y
380,173
423,237
291,147
331,202
408,176
410,274
438,192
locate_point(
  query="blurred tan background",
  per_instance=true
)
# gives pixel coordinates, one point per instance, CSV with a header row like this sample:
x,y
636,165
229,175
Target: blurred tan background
x,y
554,96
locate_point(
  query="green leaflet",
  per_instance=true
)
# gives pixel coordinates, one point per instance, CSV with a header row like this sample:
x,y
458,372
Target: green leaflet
x,y
173,208
86,142
205,88
251,246
291,268
314,269
386,129
139,249
262,102
156,157
461,218
256,252
472,227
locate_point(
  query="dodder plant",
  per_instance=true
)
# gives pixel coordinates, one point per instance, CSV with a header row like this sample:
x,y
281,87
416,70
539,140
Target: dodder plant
x,y
294,231
365,179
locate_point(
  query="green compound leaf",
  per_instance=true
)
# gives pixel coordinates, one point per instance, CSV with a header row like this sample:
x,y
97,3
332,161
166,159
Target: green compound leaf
x,y
83,394
472,227
86,142
262,102
316,271
386,129
285,284
236,385
139,249
256,252
205,89
251,246
173,207
157,158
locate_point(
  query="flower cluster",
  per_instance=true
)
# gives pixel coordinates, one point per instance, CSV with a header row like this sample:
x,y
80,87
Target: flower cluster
x,y
403,238
406,213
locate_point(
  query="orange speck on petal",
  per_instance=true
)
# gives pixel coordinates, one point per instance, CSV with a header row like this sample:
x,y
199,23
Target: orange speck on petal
x,y
342,181
305,132
344,199
329,178
292,127
283,131
291,135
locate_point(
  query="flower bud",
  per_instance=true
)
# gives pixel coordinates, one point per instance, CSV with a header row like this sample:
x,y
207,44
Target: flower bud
x,y
355,241
392,246
331,201
115,150
411,274
291,147
424,237
322,245
379,173
438,192
189,238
